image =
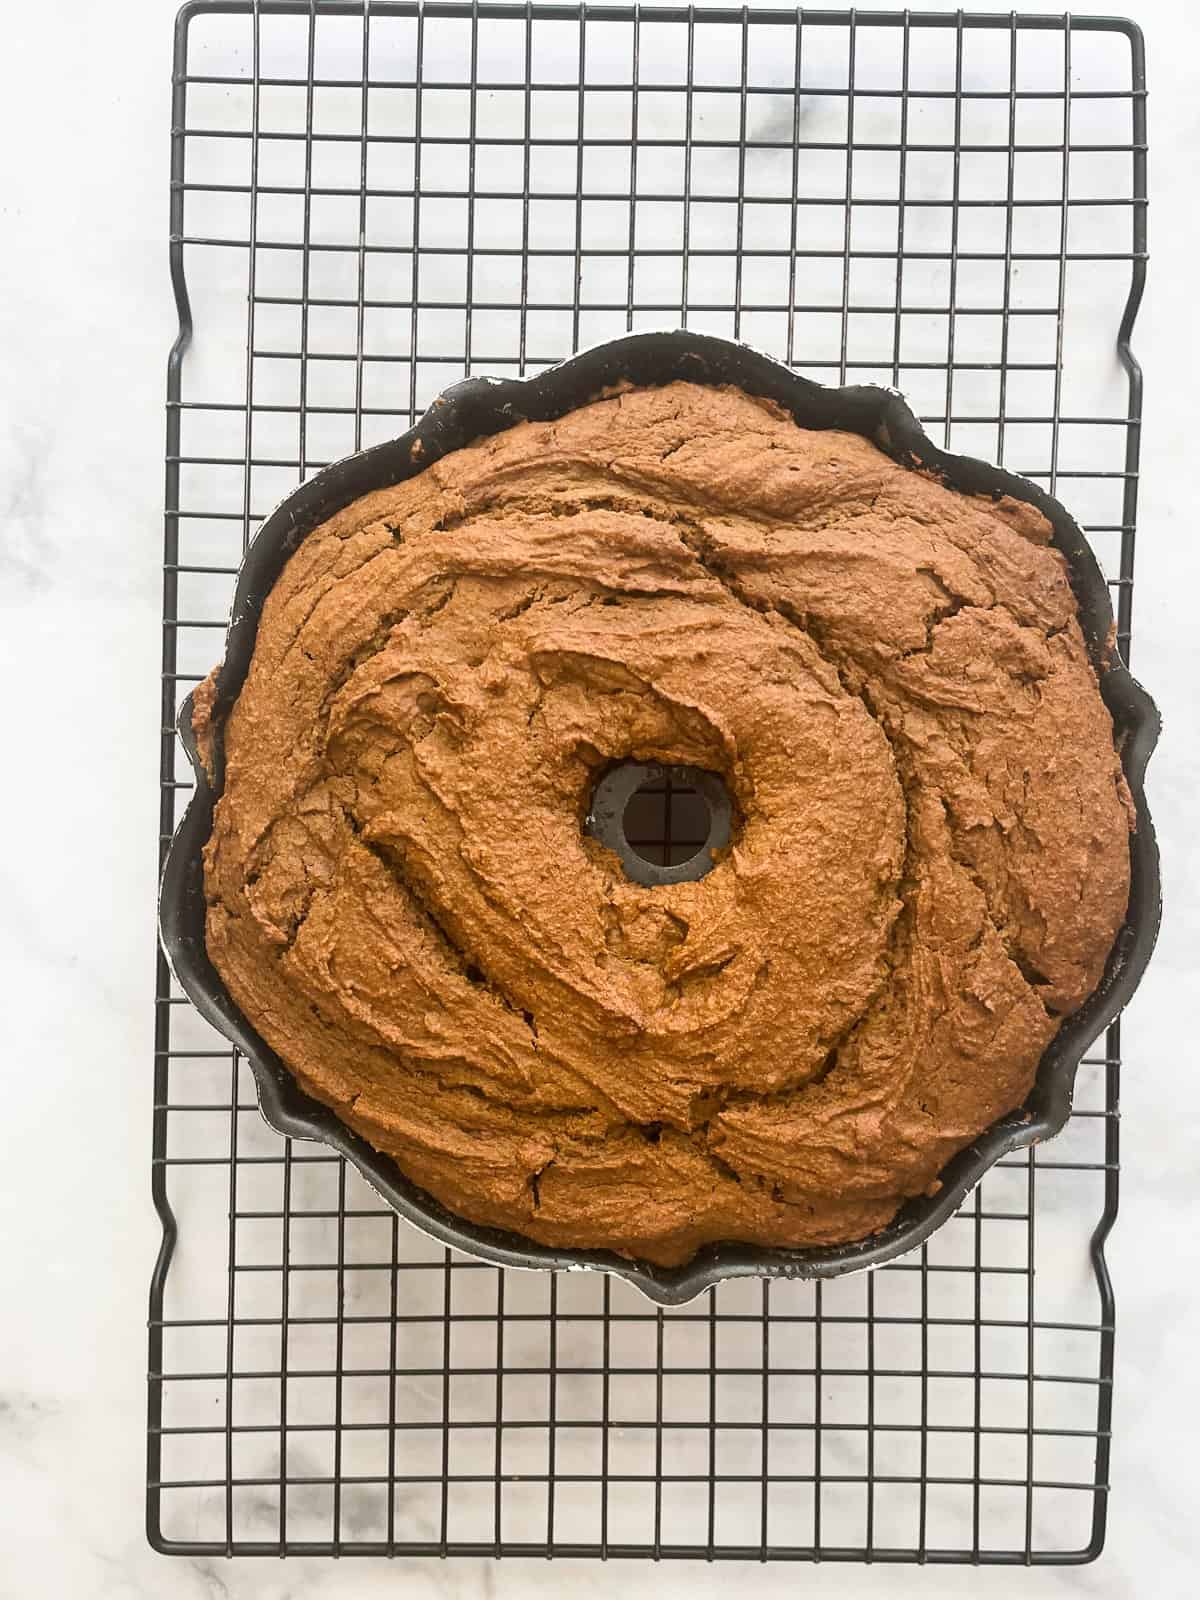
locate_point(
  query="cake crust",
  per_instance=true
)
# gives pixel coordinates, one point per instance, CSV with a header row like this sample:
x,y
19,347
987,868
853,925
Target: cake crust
x,y
929,864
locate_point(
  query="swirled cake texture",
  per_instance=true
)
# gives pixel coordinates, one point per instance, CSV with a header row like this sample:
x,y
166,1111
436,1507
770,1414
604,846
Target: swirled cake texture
x,y
928,866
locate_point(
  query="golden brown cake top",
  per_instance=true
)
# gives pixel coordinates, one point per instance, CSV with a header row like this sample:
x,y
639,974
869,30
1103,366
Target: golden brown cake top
x,y
929,862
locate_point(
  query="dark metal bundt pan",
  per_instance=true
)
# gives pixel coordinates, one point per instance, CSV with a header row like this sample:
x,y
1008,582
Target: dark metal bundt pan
x,y
481,406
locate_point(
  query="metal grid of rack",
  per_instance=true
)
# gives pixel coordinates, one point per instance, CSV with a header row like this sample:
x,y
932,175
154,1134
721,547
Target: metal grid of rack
x,y
368,202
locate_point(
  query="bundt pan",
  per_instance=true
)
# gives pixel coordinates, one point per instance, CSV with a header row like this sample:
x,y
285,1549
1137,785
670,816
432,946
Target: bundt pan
x,y
479,407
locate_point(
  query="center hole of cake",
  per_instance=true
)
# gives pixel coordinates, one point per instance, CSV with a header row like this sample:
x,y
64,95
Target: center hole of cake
x,y
665,824
666,821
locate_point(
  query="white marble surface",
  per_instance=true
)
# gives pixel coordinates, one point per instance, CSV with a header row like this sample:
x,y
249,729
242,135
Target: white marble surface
x,y
85,321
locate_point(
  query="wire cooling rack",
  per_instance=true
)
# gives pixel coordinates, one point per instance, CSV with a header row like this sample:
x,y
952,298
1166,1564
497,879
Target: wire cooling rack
x,y
367,204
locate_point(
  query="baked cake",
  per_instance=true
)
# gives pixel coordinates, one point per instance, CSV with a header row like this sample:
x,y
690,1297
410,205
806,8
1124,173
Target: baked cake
x,y
929,860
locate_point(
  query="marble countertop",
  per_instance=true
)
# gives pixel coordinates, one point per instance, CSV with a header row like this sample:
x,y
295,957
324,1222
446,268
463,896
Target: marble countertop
x,y
85,321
